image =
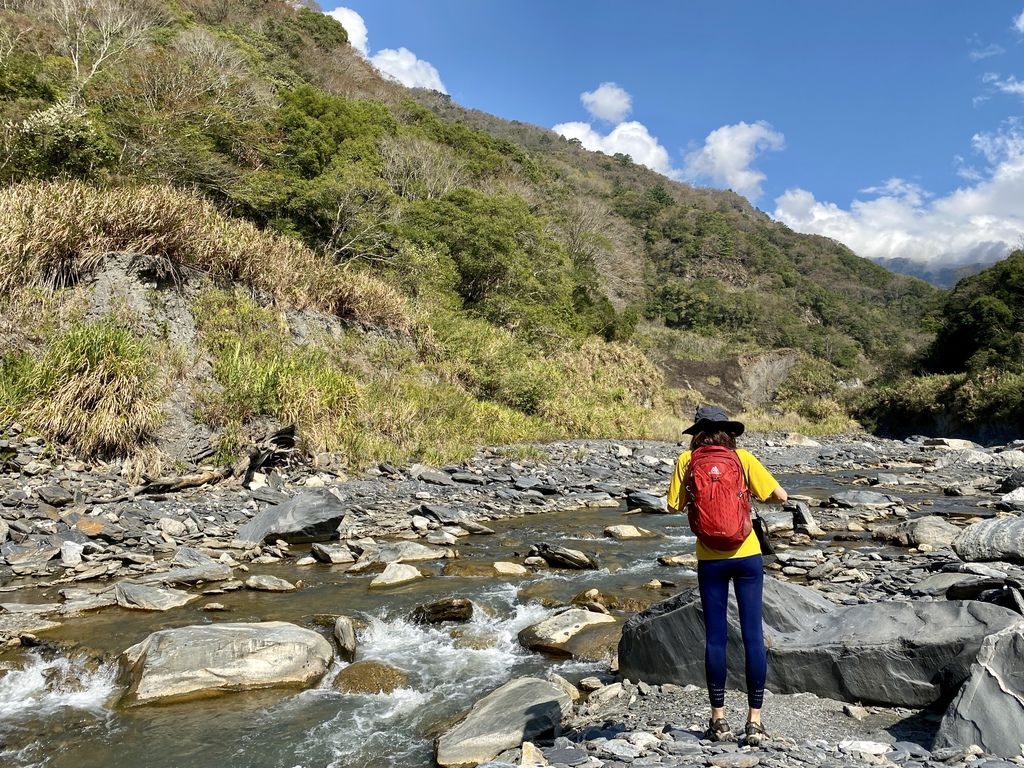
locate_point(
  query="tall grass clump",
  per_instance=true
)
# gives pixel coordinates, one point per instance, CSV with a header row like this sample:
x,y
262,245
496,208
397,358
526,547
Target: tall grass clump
x,y
93,389
57,233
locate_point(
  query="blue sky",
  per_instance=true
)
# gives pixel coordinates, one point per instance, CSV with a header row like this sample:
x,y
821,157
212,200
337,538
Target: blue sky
x,y
892,126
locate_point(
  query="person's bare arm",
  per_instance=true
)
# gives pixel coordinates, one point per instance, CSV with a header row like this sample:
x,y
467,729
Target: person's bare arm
x,y
778,496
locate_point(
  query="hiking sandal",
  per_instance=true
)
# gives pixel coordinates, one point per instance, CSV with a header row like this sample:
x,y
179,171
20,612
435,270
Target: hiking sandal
x,y
718,730
754,735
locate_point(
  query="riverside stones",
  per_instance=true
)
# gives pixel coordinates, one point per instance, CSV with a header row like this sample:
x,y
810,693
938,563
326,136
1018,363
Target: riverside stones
x,y
199,660
307,517
146,598
640,501
520,710
992,540
989,709
858,498
623,532
893,653
558,634
334,554
267,583
189,566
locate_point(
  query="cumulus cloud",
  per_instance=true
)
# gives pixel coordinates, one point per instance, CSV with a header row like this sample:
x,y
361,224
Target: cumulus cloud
x,y
727,155
399,64
1018,22
630,138
411,71
608,102
354,25
980,222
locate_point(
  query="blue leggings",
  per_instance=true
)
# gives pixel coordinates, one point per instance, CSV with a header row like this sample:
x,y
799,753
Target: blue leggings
x,y
713,577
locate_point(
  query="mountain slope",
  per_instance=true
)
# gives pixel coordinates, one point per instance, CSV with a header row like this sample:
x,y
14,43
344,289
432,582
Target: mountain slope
x,y
292,238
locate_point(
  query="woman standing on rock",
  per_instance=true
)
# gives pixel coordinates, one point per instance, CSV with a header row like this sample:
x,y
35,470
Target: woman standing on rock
x,y
713,482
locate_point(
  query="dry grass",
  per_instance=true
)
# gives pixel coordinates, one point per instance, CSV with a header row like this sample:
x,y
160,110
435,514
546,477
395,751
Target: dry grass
x,y
57,233
94,389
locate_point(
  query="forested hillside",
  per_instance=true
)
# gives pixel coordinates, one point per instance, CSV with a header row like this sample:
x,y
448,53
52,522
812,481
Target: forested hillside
x,y
216,217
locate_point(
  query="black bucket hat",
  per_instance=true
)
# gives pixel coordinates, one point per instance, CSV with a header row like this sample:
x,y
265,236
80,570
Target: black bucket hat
x,y
713,418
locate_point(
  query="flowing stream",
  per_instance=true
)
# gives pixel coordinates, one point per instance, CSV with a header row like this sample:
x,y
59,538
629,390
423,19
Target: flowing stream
x,y
63,713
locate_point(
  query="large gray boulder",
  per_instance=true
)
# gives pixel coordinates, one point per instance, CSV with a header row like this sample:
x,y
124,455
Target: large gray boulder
x,y
989,710
931,530
566,633
518,711
201,660
999,539
310,516
891,653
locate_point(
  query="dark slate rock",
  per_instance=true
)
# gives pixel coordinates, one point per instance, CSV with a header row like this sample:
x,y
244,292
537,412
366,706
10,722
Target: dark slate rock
x,y
646,502
562,557
989,709
1012,481
310,516
55,495
893,653
450,609
526,482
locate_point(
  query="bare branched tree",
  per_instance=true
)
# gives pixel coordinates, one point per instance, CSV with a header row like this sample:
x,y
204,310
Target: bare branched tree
x,y
94,34
359,225
417,167
9,40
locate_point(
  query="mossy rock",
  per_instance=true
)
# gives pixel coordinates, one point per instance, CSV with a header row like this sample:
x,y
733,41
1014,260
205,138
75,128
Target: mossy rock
x,y
369,677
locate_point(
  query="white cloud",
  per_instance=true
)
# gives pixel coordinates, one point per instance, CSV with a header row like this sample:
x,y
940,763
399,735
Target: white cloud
x,y
411,71
728,152
1010,85
978,222
1018,22
399,64
630,138
986,52
608,102
354,25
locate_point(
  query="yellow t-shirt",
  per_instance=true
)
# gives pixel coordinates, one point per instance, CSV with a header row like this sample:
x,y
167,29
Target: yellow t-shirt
x,y
759,481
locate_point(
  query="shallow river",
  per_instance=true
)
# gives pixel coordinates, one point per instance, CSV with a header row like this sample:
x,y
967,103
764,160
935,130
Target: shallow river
x,y
78,724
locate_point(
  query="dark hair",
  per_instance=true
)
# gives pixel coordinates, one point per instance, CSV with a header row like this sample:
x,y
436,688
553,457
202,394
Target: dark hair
x,y
702,439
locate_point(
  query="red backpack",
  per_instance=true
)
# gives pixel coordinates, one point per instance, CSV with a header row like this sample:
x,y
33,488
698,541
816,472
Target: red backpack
x,y
718,501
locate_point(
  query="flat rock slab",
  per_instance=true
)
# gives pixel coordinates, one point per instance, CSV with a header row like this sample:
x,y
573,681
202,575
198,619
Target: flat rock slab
x,y
864,499
989,710
335,554
208,659
891,653
143,597
265,583
622,532
310,516
518,711
189,566
931,530
554,634
992,540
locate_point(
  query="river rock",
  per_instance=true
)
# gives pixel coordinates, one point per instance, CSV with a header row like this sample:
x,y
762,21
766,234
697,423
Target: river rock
x,y
335,554
893,653
449,609
640,501
931,530
148,598
200,660
412,552
345,636
395,574
621,532
990,540
859,498
562,557
989,709
369,676
189,566
55,495
520,710
560,634
310,516
266,583
503,568
431,475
